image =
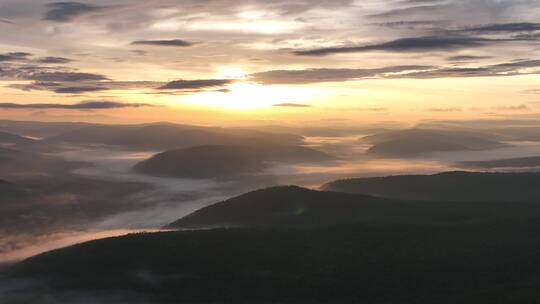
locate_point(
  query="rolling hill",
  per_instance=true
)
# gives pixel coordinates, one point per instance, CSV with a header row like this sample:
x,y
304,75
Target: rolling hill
x,y
40,129
223,161
166,136
298,207
448,186
380,252
414,142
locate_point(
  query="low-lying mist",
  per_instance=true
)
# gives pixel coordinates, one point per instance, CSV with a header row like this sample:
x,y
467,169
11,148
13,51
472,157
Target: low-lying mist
x,y
106,197
157,202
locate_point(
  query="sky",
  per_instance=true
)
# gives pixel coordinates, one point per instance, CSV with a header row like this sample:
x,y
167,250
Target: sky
x,y
263,62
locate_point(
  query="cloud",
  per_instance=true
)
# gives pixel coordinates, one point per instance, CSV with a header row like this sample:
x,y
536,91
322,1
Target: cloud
x,y
14,56
444,110
329,75
173,42
78,90
449,73
307,76
67,11
519,108
35,86
65,76
55,60
68,87
528,36
467,58
504,69
428,9
292,105
85,105
531,91
516,64
140,52
414,24
504,28
428,43
195,84
375,109
461,12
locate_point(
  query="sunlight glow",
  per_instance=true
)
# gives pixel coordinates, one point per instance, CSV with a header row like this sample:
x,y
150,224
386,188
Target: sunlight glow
x,y
252,96
230,73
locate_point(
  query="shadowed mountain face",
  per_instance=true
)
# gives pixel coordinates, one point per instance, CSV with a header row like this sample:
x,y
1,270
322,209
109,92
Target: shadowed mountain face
x,y
450,186
39,129
414,142
299,207
427,251
282,206
522,162
168,136
507,130
222,161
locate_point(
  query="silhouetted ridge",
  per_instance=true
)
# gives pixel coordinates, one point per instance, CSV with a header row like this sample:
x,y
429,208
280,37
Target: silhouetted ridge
x,y
298,207
168,136
449,186
522,162
414,142
489,260
277,206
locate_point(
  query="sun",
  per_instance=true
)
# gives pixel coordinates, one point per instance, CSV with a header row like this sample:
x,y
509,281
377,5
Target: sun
x,y
245,96
231,73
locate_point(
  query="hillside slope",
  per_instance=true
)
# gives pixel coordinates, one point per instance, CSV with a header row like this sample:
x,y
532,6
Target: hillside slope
x,y
448,186
221,161
414,142
299,207
489,261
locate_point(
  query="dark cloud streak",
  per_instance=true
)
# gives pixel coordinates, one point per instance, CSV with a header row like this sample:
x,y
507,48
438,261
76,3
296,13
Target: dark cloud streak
x,y
292,105
65,76
79,90
428,43
173,42
504,28
53,60
514,68
67,11
467,58
85,105
14,56
195,84
329,75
